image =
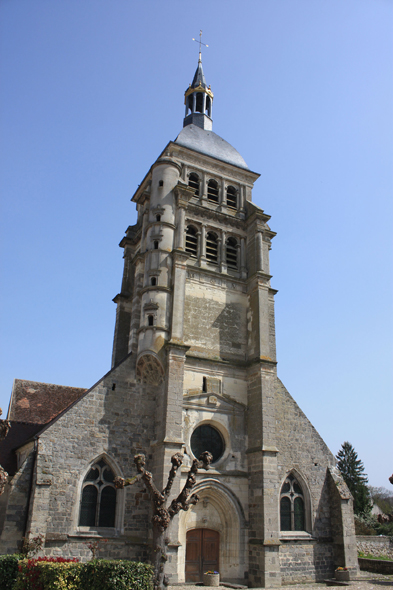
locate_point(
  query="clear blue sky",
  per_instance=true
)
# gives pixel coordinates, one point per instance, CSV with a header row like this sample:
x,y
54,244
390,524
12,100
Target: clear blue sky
x,y
92,91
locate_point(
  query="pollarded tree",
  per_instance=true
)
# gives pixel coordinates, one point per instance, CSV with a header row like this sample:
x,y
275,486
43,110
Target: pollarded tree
x,y
352,470
163,514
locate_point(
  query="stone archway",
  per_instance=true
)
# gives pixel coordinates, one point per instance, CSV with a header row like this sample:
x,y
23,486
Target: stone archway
x,y
219,510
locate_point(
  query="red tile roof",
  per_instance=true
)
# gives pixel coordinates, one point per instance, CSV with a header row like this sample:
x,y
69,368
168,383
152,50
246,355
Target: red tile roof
x,y
38,403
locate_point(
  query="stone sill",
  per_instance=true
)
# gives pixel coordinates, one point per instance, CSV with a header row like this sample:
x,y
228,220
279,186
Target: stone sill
x,y
297,536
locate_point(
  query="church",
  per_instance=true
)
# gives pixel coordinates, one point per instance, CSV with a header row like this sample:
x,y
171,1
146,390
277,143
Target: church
x,y
193,368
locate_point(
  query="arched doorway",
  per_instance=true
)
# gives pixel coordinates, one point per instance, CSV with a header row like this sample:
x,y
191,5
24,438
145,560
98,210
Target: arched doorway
x,y
202,553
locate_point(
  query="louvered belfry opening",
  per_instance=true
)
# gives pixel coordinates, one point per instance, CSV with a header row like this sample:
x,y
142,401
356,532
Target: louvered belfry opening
x,y
232,197
212,191
98,502
231,251
212,247
192,241
193,182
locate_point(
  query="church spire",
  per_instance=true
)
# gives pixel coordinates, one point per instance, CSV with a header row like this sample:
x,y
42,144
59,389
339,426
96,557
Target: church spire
x,y
198,98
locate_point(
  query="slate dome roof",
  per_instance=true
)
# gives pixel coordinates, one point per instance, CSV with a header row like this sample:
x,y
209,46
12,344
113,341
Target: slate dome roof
x,y
210,144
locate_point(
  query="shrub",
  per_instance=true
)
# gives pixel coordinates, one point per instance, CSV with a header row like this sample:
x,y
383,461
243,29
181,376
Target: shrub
x,y
102,574
48,573
8,571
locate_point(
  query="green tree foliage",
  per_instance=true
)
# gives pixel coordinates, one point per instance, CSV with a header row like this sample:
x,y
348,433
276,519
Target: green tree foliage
x,y
383,498
352,470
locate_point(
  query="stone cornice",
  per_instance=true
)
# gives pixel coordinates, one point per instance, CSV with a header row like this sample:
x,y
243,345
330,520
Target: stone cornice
x,y
201,212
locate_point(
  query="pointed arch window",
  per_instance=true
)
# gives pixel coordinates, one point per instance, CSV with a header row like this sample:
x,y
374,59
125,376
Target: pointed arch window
x,y
193,182
212,191
212,247
292,512
232,197
98,501
192,241
231,252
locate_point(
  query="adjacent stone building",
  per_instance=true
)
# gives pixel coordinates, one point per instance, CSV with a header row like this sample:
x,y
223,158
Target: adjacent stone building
x,y
193,369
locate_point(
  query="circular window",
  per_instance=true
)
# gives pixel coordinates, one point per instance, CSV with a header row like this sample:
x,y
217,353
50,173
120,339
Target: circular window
x,y
207,438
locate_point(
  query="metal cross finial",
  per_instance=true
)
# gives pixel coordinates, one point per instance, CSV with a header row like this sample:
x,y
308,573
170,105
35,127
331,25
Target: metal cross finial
x,y
200,44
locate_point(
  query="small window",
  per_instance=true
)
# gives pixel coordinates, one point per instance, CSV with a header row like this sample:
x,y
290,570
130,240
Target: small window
x,y
161,183
98,502
212,191
153,281
192,241
292,516
158,217
155,244
231,251
193,182
232,197
206,438
150,320
211,247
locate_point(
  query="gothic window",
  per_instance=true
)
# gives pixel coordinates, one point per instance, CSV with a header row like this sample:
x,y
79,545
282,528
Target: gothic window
x,y
207,438
292,514
212,191
155,244
211,247
192,241
158,217
231,250
98,502
153,281
193,182
150,320
232,197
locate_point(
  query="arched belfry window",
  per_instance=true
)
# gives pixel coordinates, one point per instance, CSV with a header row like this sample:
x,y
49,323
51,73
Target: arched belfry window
x,y
98,500
192,241
231,251
232,197
199,102
292,512
212,247
212,191
193,182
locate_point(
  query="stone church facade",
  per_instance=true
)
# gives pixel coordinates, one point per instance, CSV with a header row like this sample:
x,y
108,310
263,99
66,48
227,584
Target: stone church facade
x,y
193,368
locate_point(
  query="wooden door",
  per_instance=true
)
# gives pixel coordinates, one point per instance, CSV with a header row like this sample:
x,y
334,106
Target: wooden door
x,y
202,553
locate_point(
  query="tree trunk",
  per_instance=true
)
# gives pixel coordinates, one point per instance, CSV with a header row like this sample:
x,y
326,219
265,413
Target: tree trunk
x,y
159,559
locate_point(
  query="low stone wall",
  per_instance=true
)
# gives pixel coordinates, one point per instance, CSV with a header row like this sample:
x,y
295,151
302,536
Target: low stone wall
x,y
375,546
378,566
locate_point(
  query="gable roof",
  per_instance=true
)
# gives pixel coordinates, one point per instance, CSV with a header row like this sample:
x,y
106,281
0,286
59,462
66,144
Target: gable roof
x,y
39,403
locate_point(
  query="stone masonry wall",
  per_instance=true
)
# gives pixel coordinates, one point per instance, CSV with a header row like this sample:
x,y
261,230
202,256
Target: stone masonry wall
x,y
301,448
116,418
375,546
304,562
215,317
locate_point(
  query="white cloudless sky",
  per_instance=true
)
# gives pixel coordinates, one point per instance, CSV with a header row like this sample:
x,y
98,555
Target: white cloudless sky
x,y
92,91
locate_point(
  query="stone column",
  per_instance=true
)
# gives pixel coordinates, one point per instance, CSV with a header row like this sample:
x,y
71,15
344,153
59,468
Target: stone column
x,y
259,256
179,287
243,268
221,198
202,191
202,249
223,253
179,239
204,103
194,102
264,543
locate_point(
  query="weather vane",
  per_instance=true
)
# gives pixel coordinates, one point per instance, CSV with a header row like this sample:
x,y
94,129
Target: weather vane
x,y
200,44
